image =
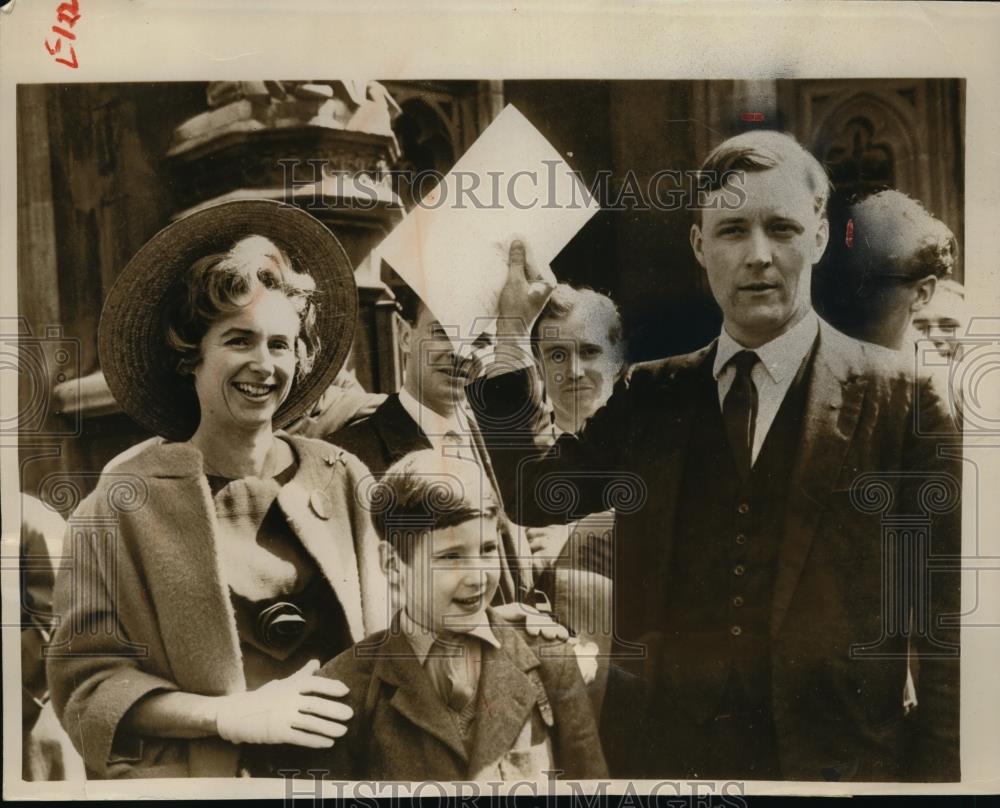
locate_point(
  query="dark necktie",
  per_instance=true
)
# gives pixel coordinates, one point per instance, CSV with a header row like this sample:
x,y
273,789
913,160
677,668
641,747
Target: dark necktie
x,y
739,411
455,679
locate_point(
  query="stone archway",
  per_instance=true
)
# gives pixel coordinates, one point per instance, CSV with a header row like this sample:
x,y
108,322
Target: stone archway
x,y
869,142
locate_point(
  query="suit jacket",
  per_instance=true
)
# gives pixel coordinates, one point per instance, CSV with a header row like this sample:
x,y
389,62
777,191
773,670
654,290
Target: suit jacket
x,y
344,402
142,605
868,452
385,436
402,731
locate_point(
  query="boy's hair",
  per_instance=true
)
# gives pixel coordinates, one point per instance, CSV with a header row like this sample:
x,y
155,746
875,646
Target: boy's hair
x,y
426,491
758,151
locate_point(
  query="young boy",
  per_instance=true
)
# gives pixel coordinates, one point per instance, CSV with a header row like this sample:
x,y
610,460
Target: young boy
x,y
450,691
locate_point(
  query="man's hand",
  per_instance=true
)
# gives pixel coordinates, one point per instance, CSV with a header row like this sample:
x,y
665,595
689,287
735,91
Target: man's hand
x,y
301,709
524,295
546,544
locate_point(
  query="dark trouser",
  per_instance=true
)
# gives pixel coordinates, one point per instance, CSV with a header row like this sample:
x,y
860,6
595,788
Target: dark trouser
x,y
627,725
738,743
647,733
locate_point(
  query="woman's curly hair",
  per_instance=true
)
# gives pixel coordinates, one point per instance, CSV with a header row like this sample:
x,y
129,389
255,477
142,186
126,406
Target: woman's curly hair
x,y
219,285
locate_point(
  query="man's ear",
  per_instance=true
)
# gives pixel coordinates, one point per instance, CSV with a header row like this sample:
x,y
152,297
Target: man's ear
x,y
822,238
389,561
696,244
924,292
621,360
405,336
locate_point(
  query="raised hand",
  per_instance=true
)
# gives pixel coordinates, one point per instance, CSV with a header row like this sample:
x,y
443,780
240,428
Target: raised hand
x,y
524,295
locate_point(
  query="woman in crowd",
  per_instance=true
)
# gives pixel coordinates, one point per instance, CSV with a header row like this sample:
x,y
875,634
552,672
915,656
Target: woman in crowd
x,y
215,568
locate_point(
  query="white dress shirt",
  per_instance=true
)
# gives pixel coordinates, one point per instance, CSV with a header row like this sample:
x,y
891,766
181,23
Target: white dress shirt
x,y
436,427
772,375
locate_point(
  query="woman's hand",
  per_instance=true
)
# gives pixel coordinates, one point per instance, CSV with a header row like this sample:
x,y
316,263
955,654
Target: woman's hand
x,y
301,709
536,623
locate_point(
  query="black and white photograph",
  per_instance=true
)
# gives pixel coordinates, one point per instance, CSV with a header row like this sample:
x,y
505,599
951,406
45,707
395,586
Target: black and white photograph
x,y
509,426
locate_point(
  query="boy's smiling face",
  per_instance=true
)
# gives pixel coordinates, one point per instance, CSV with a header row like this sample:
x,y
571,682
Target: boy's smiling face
x,y
452,576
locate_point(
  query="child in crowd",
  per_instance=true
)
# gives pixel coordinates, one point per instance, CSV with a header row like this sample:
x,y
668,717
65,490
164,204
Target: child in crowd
x,y
451,691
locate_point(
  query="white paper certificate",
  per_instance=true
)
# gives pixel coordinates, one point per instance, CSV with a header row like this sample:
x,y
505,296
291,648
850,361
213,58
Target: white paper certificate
x,y
452,248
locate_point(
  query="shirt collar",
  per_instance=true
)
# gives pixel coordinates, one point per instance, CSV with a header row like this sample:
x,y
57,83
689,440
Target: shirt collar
x,y
430,422
422,639
781,356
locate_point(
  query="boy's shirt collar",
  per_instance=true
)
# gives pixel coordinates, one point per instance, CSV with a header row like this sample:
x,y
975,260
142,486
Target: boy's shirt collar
x,y
422,639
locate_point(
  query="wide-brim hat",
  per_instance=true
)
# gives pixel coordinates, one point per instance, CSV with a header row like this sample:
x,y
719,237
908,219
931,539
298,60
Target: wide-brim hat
x,y
140,368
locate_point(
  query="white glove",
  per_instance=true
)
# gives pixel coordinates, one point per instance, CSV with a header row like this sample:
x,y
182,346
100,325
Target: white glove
x,y
535,623
301,709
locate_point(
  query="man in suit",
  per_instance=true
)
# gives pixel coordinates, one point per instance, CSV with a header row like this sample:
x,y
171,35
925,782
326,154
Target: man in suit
x,y
428,411
578,342
751,555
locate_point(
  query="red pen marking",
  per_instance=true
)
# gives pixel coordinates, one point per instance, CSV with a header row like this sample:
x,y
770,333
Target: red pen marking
x,y
68,14
71,62
752,116
849,238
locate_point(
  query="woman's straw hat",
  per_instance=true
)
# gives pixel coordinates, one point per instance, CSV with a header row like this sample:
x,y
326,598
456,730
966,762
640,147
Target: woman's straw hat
x,y
132,342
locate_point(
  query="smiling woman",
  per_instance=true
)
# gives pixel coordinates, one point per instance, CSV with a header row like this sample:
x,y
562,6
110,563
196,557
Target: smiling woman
x,y
235,325
250,559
